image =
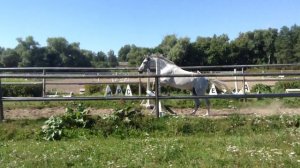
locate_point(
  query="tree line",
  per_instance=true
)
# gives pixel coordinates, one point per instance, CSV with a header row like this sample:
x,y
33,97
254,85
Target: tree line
x,y
265,46
58,53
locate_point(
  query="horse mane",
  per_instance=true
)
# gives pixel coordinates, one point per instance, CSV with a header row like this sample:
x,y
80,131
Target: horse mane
x,y
163,58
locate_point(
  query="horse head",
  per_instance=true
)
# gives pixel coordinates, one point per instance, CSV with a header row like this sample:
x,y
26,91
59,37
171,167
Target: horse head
x,y
145,65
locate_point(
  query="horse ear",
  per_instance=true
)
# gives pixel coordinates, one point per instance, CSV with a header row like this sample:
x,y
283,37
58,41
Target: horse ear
x,y
148,58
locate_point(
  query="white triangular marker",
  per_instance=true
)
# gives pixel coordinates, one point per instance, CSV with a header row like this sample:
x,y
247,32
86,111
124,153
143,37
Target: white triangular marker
x,y
247,89
128,91
108,91
213,90
119,90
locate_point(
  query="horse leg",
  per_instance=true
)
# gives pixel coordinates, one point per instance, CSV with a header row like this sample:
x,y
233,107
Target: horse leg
x,y
197,105
200,90
207,102
197,102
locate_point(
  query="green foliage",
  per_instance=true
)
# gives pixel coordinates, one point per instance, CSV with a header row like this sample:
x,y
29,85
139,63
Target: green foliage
x,y
121,122
52,130
123,53
22,90
261,88
131,123
77,117
73,118
263,46
92,89
282,85
112,59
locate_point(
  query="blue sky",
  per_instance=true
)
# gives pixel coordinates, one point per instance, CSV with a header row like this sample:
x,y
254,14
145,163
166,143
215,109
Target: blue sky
x,y
101,25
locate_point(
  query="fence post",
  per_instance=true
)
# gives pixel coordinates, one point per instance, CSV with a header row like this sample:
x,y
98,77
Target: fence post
x,y
140,87
235,82
1,104
44,83
244,82
157,96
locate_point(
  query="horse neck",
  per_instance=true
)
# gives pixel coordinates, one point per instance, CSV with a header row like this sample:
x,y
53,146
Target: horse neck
x,y
164,67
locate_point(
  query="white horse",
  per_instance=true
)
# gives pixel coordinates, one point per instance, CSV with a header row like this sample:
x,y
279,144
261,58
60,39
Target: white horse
x,y
197,85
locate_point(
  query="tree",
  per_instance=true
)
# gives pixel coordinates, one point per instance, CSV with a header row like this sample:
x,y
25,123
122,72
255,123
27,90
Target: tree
x,y
10,58
100,60
297,50
218,50
284,46
242,49
200,51
167,43
123,53
112,59
1,50
74,57
57,44
67,54
56,51
270,37
137,54
30,53
179,51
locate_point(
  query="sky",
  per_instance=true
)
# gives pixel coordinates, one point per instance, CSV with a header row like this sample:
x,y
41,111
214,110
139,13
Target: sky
x,y
103,25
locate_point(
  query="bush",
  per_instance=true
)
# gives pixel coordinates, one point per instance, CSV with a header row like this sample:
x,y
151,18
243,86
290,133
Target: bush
x,y
122,122
52,129
261,88
282,85
22,90
77,117
73,118
91,89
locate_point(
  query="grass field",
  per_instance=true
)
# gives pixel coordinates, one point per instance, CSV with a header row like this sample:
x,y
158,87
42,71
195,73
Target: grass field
x,y
234,141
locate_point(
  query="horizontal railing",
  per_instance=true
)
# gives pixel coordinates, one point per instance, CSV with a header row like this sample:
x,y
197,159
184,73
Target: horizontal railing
x,y
135,68
289,76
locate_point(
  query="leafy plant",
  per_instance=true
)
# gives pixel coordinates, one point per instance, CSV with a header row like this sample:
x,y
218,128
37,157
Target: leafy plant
x,y
261,88
121,122
78,118
52,129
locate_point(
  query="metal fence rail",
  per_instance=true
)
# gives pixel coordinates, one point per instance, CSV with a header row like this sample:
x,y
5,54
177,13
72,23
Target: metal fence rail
x,y
14,73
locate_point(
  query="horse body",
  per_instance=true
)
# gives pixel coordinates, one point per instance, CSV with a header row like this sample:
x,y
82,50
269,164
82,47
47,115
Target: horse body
x,y
197,85
187,83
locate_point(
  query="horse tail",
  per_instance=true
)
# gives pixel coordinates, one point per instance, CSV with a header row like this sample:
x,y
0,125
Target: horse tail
x,y
219,84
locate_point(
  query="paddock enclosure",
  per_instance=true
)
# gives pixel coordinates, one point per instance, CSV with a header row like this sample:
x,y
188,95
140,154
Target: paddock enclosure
x,y
67,80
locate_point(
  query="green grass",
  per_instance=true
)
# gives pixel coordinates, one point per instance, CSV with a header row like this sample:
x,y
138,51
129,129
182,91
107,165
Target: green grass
x,y
266,150
235,141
